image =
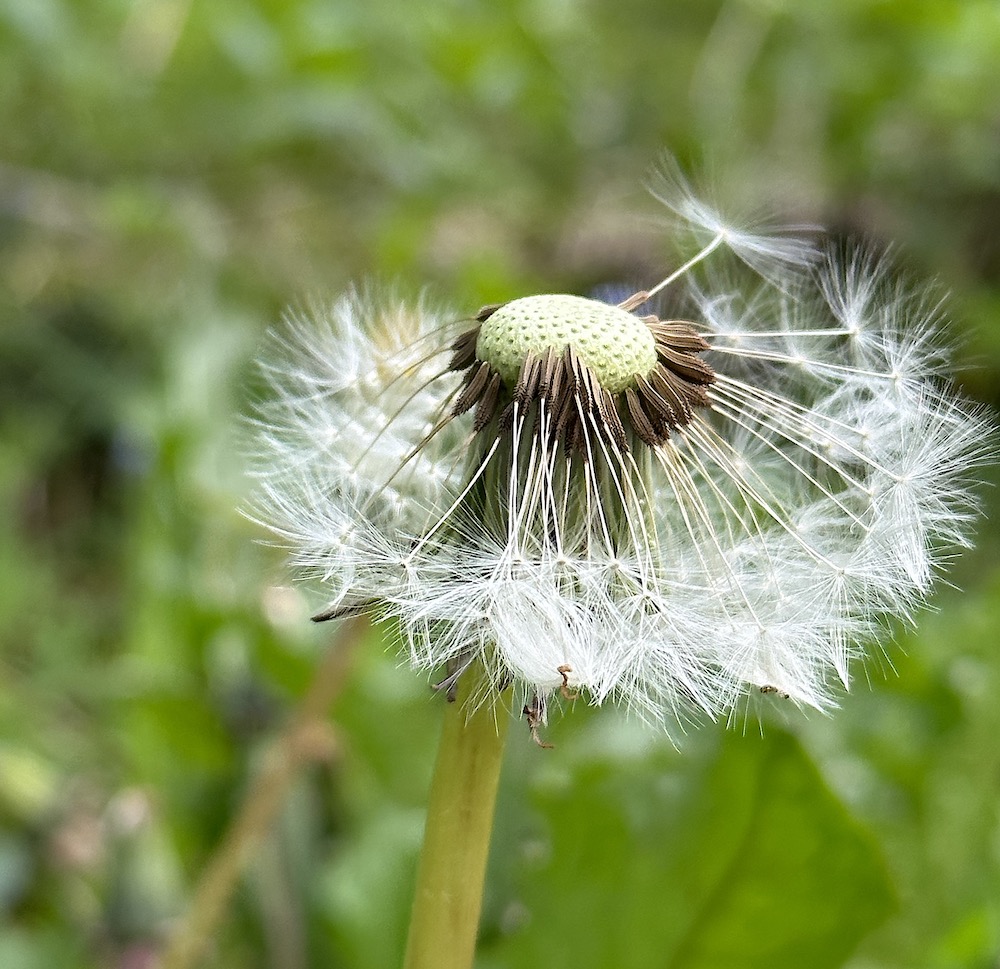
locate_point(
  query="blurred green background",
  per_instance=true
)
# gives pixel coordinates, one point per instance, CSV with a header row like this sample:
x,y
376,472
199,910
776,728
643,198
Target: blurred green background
x,y
172,173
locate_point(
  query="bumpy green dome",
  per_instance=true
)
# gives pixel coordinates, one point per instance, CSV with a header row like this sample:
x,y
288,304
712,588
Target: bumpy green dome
x,y
614,344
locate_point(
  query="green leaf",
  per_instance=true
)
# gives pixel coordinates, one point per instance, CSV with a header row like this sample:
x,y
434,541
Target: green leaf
x,y
745,858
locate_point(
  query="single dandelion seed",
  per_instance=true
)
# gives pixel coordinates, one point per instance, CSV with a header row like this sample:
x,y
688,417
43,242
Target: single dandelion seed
x,y
673,512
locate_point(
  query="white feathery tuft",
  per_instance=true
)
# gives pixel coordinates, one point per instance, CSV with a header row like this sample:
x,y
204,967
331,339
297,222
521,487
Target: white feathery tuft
x,y
772,250
817,488
345,475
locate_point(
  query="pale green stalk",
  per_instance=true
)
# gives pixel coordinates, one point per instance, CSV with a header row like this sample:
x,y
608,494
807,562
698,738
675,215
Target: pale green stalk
x,y
448,899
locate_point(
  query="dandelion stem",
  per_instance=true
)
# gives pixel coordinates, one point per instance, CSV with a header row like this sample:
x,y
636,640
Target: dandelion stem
x,y
449,891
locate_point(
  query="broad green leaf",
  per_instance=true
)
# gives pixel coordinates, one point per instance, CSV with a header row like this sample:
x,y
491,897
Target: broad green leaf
x,y
741,858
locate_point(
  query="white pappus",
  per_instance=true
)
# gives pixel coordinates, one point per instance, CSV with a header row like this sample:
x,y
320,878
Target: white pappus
x,y
667,512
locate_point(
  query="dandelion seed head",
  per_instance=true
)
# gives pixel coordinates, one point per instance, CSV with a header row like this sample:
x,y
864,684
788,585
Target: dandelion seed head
x,y
593,500
614,344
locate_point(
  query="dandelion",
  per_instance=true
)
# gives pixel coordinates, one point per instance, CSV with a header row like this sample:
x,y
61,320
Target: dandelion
x,y
669,510
593,500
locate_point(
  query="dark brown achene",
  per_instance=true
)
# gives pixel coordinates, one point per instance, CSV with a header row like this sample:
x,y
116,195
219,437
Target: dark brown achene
x,y
567,393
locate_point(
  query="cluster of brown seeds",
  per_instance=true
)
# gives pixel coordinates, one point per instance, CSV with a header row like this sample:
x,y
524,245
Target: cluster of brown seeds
x,y
571,395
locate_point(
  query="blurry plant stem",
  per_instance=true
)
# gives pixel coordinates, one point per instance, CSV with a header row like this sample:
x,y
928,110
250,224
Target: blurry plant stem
x,y
302,740
449,893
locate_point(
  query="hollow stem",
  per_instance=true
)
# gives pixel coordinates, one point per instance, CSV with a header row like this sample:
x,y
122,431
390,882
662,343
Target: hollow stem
x,y
452,867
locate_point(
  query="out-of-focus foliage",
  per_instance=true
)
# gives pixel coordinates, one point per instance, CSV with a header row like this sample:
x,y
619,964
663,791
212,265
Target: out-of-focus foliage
x,y
171,174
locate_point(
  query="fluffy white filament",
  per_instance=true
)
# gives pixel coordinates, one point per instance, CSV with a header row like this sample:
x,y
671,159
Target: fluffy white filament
x,y
759,547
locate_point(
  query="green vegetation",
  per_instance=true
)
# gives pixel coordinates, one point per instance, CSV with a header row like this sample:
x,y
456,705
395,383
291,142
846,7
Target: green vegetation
x,y
171,175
